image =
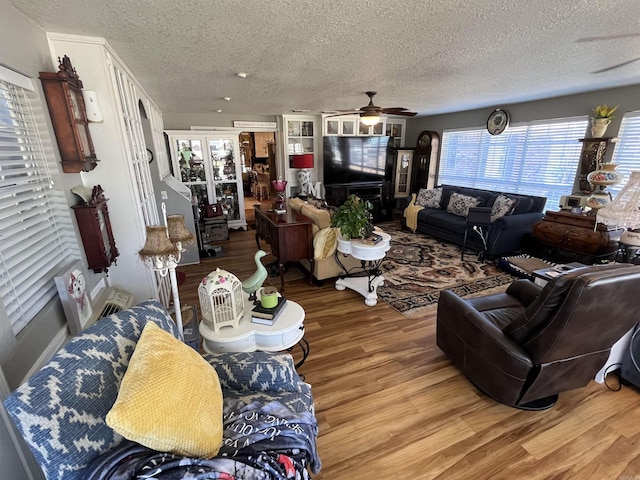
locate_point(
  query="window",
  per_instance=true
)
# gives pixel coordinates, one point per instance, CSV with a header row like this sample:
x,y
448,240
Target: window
x,y
627,151
36,234
537,158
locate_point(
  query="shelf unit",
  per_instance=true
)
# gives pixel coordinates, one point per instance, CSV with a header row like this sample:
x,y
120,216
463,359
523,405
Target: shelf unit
x,y
209,164
350,125
300,135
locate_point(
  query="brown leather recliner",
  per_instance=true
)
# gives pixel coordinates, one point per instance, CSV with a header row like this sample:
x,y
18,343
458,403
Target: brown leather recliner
x,y
526,345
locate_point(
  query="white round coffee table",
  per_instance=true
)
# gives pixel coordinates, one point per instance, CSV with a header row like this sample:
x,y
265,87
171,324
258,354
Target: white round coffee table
x,y
285,333
366,281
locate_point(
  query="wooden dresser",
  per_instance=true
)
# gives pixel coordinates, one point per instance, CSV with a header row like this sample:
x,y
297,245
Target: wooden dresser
x,y
289,234
576,233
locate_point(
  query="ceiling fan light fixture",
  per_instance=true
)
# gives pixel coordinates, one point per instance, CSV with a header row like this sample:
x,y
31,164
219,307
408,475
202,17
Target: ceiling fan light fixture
x,y
370,120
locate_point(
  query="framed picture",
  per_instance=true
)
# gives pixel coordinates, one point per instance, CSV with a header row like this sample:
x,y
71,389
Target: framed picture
x,y
72,289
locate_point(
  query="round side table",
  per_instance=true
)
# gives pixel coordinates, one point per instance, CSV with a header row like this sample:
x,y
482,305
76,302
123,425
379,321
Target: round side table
x,y
367,280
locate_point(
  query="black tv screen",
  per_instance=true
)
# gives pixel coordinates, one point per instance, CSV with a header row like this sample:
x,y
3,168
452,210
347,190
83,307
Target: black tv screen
x,y
356,159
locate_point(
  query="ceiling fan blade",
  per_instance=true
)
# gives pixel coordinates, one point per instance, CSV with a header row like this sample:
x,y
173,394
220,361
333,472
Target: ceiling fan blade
x,y
403,113
608,37
394,109
617,66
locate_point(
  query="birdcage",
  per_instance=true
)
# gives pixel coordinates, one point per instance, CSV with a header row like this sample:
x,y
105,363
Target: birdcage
x,y
221,299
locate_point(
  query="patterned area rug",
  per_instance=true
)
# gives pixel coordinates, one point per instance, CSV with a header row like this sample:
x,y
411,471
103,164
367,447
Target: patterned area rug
x,y
418,267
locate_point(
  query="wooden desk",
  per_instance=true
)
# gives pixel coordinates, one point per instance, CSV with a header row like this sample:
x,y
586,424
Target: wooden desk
x,y
289,235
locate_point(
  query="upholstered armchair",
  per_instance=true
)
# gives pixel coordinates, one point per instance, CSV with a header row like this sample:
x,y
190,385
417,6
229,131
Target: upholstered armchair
x,y
525,346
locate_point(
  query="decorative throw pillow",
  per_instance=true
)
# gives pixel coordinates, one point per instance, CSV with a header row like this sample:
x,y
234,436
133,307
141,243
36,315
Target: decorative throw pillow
x,y
459,204
61,410
429,198
502,206
325,243
170,398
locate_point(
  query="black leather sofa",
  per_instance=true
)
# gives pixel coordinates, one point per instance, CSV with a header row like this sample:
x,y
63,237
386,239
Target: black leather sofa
x,y
503,236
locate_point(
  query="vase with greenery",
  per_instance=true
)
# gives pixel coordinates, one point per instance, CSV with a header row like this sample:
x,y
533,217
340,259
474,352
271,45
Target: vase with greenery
x,y
353,218
601,119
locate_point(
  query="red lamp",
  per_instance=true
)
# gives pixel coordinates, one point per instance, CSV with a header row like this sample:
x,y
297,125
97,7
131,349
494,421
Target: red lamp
x,y
303,162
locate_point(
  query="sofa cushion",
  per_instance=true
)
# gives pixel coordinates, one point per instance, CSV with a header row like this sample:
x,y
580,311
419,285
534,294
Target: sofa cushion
x,y
325,243
459,204
502,206
446,221
429,197
66,432
167,386
319,216
524,205
296,203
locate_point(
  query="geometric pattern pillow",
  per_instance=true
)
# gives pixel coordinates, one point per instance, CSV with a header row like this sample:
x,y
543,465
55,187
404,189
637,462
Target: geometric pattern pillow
x,y
61,410
429,198
502,206
459,204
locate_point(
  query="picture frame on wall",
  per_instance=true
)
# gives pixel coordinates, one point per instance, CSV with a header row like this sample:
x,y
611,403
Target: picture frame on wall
x,y
76,303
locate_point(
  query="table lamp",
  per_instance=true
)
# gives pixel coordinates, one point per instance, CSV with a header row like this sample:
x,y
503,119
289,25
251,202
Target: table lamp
x,y
623,211
303,162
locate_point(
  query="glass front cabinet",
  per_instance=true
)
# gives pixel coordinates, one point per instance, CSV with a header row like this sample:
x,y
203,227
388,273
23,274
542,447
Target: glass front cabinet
x,y
209,164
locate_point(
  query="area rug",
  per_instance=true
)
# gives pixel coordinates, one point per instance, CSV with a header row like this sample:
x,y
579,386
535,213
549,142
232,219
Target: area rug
x,y
418,267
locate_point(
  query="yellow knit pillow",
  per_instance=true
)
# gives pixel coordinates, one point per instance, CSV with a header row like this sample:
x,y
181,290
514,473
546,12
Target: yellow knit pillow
x,y
325,243
170,398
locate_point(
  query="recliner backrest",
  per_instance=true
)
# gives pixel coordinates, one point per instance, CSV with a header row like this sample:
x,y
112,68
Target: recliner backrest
x,y
566,319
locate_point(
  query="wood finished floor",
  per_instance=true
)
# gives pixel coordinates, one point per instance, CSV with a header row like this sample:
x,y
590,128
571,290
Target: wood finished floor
x,y
391,406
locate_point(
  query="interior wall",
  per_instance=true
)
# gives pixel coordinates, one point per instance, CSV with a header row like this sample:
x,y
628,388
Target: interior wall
x,y
184,121
568,106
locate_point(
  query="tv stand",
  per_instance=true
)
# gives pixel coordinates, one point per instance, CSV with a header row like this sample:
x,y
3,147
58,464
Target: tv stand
x,y
378,193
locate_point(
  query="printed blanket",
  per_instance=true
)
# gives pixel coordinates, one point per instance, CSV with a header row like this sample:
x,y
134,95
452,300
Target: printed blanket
x,y
260,442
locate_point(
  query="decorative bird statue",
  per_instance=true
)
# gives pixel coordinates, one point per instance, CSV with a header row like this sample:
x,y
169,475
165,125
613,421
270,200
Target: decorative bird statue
x,y
252,284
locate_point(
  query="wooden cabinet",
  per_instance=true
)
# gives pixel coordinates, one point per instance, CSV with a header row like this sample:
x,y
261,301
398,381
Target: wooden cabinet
x,y
402,173
290,235
63,92
576,233
261,142
95,230
209,163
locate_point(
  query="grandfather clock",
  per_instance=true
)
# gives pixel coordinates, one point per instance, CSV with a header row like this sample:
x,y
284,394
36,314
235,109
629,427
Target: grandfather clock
x,y
425,161
63,92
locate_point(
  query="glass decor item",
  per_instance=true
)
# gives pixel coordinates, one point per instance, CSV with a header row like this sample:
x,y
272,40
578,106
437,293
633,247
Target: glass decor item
x,y
624,211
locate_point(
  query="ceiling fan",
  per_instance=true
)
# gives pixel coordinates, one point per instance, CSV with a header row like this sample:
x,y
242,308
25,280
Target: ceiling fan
x,y
611,37
370,114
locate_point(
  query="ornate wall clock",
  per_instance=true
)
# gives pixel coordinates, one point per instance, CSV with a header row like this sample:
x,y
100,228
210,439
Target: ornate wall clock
x,y
498,121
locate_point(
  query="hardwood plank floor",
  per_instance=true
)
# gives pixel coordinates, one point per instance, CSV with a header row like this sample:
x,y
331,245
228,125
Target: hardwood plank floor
x,y
390,405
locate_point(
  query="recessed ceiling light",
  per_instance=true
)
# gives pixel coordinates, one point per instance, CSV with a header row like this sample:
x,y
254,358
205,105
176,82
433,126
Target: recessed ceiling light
x,y
219,111
241,75
228,99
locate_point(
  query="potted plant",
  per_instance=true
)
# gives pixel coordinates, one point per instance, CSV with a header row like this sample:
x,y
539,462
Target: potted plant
x,y
601,119
353,218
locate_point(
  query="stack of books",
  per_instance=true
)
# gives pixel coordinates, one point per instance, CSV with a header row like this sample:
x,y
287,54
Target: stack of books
x,y
267,316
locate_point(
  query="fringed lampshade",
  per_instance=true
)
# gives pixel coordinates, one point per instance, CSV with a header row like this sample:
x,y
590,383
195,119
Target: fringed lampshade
x,y
179,235
221,300
624,210
158,249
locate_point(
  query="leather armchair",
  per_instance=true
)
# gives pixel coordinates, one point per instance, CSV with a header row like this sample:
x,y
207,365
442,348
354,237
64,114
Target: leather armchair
x,y
524,346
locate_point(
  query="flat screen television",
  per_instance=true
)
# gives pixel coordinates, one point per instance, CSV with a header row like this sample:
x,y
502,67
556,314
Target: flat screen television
x,y
356,159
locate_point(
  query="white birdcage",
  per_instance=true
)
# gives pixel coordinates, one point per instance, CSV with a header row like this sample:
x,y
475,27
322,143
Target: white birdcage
x,y
221,299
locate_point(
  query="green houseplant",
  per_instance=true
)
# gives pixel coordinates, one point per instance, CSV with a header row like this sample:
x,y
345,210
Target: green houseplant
x,y
604,111
353,218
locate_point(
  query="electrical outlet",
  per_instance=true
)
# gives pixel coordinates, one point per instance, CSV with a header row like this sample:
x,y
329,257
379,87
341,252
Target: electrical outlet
x,y
163,195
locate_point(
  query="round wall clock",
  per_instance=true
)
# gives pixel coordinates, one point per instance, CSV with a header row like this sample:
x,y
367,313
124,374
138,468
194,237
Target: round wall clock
x,y
424,141
498,121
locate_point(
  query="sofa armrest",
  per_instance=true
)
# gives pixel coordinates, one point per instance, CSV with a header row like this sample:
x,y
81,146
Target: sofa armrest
x,y
459,317
256,371
524,290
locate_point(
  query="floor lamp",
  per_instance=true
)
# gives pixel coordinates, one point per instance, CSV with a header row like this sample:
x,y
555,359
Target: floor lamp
x,y
162,252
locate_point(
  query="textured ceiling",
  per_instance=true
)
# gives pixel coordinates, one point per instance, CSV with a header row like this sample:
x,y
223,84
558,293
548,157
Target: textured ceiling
x,y
429,56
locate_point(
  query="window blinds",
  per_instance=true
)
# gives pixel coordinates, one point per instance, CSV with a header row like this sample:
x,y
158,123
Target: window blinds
x,y
36,234
537,158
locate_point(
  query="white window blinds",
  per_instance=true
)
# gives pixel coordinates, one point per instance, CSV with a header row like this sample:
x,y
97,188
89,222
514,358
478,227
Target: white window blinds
x,y
36,234
627,151
538,158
